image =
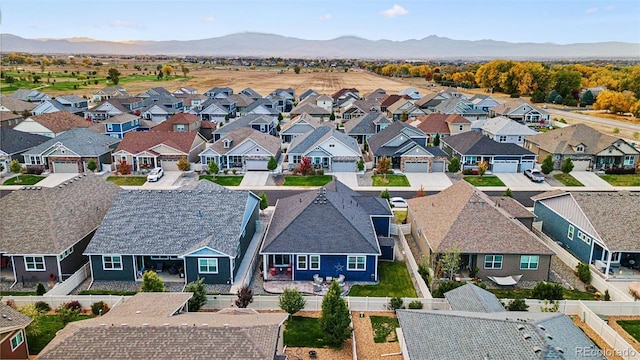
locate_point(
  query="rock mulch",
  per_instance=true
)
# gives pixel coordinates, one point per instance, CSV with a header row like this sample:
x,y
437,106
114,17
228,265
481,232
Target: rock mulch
x,y
562,273
606,349
131,286
365,346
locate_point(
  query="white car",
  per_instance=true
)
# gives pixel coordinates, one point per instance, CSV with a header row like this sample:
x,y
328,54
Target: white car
x,y
155,174
398,202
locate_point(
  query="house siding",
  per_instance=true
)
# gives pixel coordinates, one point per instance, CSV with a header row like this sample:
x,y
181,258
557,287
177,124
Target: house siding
x,y
328,265
76,259
249,231
381,225
222,277
126,274
557,228
511,266
50,263
21,352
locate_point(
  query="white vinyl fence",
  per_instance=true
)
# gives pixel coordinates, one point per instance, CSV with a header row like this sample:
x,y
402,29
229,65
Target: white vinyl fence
x,y
400,230
72,282
56,300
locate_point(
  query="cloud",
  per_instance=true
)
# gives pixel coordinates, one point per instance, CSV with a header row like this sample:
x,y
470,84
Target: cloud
x,y
208,18
125,24
325,17
396,10
591,10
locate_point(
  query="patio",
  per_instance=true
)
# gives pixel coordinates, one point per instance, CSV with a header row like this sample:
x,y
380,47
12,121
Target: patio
x,y
305,287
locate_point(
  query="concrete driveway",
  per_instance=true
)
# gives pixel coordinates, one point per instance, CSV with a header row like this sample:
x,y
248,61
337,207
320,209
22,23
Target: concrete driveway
x,y
431,181
591,180
166,182
348,178
55,179
517,181
255,178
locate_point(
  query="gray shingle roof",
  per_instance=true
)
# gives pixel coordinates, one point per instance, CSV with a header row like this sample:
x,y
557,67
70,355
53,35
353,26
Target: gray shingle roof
x,y
365,125
172,222
306,142
81,141
239,135
244,121
563,140
320,221
388,133
14,141
54,218
501,125
472,298
474,143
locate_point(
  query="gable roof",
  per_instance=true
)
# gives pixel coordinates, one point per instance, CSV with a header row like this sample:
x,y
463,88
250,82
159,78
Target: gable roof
x,y
365,124
303,143
245,121
239,135
81,141
343,91
267,104
562,140
428,97
501,125
513,104
304,117
136,142
12,319
118,119
180,118
446,218
16,105
474,143
79,204
438,123
60,121
351,230
378,140
251,93
241,99
14,141
470,297
311,109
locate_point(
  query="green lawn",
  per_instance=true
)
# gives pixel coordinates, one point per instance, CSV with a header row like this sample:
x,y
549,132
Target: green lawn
x,y
128,180
300,331
18,293
567,179
483,181
526,294
394,281
24,180
49,326
313,180
632,327
383,326
223,180
391,180
622,179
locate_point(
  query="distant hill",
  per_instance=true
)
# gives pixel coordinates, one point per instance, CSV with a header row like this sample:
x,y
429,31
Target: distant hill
x,y
267,45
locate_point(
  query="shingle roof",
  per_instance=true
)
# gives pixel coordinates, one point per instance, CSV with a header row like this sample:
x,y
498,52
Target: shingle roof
x,y
365,124
512,207
314,122
392,99
241,99
16,105
118,119
251,93
445,219
180,118
438,123
501,125
210,215
81,141
388,133
57,217
351,230
14,141
511,105
11,318
245,121
268,103
60,121
427,98
238,136
472,298
562,140
474,143
136,142
304,143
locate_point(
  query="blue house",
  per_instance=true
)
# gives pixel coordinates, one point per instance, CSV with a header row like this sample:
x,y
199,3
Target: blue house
x,y
599,228
121,124
184,234
330,231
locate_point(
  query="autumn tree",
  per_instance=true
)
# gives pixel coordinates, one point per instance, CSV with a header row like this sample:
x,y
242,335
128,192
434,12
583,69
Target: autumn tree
x,y
245,296
420,193
482,168
384,165
183,164
614,101
184,70
305,167
167,70
15,166
124,168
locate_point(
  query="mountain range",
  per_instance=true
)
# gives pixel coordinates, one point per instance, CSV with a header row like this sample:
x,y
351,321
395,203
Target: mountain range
x,y
269,45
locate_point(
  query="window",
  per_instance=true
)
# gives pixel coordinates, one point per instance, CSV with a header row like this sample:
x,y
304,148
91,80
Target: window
x,y
570,232
579,148
17,340
302,262
314,262
629,160
109,127
180,127
34,263
584,237
493,262
461,127
34,160
208,266
112,262
502,138
66,253
519,139
356,263
471,160
529,262
296,159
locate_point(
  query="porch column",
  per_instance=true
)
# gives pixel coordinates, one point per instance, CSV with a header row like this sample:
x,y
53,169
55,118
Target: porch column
x,y
265,266
606,272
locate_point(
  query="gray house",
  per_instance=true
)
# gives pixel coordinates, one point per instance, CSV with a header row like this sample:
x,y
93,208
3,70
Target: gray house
x,y
58,224
189,234
267,124
505,130
364,127
243,148
328,149
13,143
299,125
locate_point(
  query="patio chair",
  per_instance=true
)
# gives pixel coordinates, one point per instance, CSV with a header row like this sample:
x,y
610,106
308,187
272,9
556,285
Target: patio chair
x,y
341,278
317,279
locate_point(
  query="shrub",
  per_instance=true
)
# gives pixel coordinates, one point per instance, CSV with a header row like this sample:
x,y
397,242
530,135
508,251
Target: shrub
x,y
607,296
91,165
415,305
151,282
40,289
396,303
73,305
620,171
99,308
360,165
34,169
517,305
547,291
245,297
547,165
320,172
467,172
567,165
234,171
454,165
445,286
42,307
225,171
66,314
291,301
584,272
199,297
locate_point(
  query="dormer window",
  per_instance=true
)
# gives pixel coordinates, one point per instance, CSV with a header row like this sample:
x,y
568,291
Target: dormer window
x,y
226,143
180,127
580,148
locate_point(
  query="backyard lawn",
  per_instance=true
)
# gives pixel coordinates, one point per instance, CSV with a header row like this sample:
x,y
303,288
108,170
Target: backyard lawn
x,y
384,328
223,180
622,179
632,327
394,281
526,294
128,180
300,331
484,181
24,180
391,180
567,179
312,180
49,326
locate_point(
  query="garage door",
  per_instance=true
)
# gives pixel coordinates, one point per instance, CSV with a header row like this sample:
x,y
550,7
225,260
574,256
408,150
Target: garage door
x,y
343,166
505,166
414,167
256,165
438,166
65,167
581,165
526,165
170,165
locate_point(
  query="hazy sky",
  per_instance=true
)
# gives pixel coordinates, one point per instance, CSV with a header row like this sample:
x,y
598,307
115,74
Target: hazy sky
x,y
558,21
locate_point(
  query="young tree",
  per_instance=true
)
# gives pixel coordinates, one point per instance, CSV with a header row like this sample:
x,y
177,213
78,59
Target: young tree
x,y
547,165
183,164
185,70
567,165
436,140
245,297
280,117
91,165
264,202
420,193
332,117
151,282
449,261
40,289
199,297
66,314
272,164
360,165
32,311
335,320
384,165
482,168
385,194
454,165
213,168
305,167
508,193
114,76
291,301
15,167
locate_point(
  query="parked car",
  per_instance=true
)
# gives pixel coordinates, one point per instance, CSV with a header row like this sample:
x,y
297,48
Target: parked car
x,y
398,202
534,175
155,174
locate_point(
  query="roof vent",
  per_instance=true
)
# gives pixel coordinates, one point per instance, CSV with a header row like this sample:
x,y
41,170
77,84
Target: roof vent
x,y
526,336
541,327
559,349
520,327
124,324
138,312
145,324
549,336
203,324
537,350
